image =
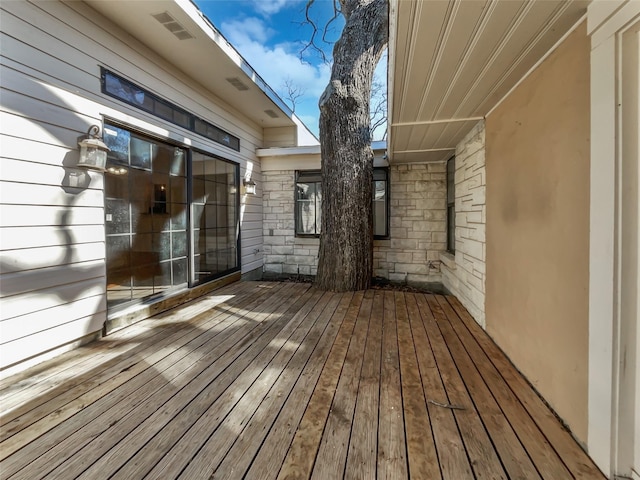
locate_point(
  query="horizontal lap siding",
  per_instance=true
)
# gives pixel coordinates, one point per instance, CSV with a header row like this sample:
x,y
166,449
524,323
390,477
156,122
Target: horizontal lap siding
x,y
52,238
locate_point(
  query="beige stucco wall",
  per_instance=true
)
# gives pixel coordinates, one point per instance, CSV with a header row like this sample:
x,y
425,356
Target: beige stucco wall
x,y
537,280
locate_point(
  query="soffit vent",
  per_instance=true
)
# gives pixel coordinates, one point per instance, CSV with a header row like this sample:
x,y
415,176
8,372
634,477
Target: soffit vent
x,y
271,113
172,25
236,82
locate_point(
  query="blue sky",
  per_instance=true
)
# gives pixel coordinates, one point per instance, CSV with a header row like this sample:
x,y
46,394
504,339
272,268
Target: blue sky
x,y
268,34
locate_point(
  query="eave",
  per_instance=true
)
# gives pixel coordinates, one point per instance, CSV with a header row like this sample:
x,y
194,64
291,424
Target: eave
x,y
452,62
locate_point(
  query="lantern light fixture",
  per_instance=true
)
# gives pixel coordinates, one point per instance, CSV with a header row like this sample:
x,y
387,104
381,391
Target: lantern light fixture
x,y
249,186
93,151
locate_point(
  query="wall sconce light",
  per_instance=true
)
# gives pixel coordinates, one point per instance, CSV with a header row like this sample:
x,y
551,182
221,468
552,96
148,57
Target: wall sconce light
x,y
93,151
249,186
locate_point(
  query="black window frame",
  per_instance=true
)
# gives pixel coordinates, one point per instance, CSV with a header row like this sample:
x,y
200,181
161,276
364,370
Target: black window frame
x,y
190,202
114,310
451,205
306,176
189,121
310,174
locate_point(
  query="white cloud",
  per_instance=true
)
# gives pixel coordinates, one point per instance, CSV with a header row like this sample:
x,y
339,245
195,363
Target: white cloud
x,y
269,7
247,30
279,62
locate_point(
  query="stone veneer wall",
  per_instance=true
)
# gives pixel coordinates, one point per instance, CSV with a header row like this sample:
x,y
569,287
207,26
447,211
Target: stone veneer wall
x,y
464,274
284,253
418,225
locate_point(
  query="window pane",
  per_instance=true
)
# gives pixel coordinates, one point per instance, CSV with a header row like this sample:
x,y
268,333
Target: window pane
x,y
380,208
451,228
213,215
307,203
178,216
139,205
451,172
180,271
162,281
141,153
117,216
305,213
118,141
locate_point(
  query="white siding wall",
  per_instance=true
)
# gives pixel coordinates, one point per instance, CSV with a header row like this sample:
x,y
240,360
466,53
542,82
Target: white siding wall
x,y
52,246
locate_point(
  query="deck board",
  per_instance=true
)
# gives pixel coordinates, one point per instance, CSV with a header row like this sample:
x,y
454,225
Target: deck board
x,y
263,380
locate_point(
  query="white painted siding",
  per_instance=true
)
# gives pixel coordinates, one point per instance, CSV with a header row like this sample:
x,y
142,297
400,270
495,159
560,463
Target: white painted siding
x,y
52,250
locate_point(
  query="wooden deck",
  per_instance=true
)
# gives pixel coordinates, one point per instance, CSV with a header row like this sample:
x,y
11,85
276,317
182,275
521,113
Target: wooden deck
x,y
278,380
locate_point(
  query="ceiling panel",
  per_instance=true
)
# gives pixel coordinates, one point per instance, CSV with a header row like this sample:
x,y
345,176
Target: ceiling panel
x,y
424,157
457,41
487,41
454,60
427,28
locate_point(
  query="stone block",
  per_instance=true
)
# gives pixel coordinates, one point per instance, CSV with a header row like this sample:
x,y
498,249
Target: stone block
x,y
419,257
274,240
399,257
305,270
288,208
420,268
438,195
434,255
398,277
398,232
427,226
301,259
473,249
437,167
439,237
434,215
271,186
474,217
281,195
290,268
282,249
273,268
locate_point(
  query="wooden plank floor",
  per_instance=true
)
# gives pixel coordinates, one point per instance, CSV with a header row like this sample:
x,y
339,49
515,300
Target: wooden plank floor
x,y
263,380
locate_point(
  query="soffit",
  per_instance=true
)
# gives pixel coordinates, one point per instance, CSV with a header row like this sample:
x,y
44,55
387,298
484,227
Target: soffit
x,y
207,57
451,62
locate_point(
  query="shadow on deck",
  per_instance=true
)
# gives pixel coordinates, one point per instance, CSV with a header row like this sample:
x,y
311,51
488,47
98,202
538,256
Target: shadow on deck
x,y
279,380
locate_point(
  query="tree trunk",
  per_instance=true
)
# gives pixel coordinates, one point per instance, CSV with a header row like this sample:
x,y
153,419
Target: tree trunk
x,y
346,243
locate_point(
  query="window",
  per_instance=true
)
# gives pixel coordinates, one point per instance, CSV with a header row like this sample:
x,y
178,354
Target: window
x,y
308,200
132,94
380,202
162,231
215,216
145,216
451,205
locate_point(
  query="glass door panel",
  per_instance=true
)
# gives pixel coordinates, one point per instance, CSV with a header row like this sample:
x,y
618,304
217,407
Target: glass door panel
x,y
214,214
145,217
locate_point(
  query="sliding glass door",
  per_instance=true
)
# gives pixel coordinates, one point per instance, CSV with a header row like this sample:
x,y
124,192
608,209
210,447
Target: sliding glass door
x,y
149,209
215,217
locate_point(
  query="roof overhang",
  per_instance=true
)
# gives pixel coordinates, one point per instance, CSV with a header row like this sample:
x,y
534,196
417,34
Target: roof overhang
x,y
179,33
452,62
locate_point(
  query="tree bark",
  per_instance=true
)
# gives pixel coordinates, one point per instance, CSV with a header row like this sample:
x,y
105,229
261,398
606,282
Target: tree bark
x,y
346,242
